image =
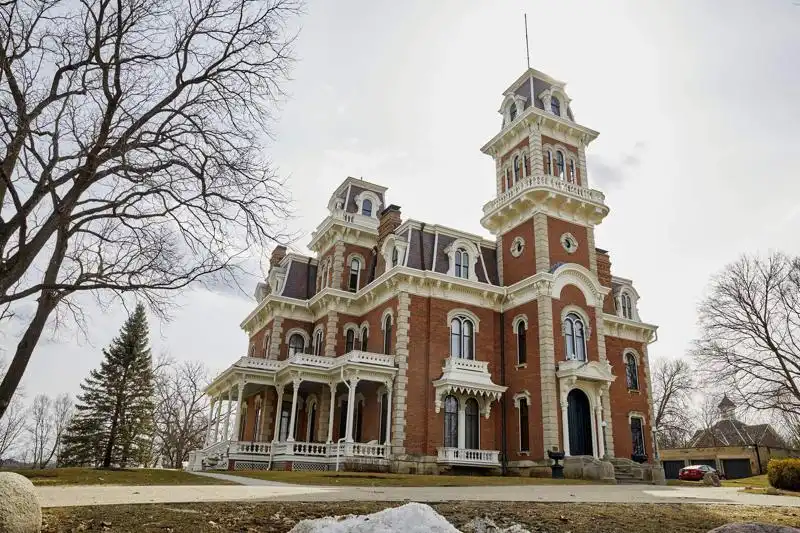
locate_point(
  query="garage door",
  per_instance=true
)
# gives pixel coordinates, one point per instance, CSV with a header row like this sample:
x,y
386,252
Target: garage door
x,y
736,468
672,468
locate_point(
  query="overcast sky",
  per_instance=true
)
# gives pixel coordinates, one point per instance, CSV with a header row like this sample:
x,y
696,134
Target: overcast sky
x,y
696,103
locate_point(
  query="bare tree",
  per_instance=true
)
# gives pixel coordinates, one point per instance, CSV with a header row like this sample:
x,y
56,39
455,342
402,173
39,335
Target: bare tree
x,y
706,414
12,425
133,153
673,384
181,410
47,421
750,324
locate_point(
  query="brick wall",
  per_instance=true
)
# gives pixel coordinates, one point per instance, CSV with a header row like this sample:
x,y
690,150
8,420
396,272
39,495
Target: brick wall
x,y
555,229
257,341
571,295
518,268
366,257
604,276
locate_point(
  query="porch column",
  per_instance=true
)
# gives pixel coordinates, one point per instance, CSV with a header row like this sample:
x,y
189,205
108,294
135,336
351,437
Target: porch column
x,y
388,416
565,423
351,400
330,411
293,416
226,435
598,411
219,419
277,433
238,422
210,421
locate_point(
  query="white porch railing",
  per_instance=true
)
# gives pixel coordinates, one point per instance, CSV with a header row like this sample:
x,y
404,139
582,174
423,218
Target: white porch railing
x,y
466,457
244,447
548,182
306,449
216,448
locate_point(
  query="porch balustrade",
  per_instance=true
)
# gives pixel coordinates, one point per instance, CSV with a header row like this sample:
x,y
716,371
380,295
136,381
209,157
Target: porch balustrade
x,y
468,457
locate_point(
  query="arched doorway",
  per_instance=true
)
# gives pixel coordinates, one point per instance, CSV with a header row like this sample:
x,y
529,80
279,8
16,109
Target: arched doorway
x,y
579,416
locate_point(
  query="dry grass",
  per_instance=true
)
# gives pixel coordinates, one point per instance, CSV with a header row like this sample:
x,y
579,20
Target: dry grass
x,y
352,479
539,517
98,476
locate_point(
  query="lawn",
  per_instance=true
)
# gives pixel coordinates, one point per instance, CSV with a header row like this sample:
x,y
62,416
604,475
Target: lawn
x,y
752,485
97,476
398,480
282,516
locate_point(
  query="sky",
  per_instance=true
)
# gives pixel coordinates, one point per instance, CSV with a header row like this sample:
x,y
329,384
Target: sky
x,y
697,103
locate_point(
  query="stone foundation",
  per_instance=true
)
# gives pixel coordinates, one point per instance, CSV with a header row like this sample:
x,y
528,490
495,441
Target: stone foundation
x,y
588,467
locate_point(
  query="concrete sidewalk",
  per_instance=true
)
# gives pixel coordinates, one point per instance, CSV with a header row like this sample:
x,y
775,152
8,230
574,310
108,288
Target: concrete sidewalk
x,y
111,494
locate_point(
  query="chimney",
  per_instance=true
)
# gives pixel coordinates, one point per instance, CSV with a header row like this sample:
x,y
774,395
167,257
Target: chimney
x,y
603,267
277,255
389,221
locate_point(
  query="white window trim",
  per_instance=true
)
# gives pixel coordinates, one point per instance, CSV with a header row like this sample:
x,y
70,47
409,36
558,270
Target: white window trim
x,y
581,313
319,329
361,266
387,311
638,360
459,311
266,345
359,398
356,335
634,296
472,252
637,414
390,244
303,333
520,396
377,205
520,319
517,319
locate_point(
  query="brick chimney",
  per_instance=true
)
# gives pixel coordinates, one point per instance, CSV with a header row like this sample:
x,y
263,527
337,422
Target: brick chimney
x,y
277,255
603,267
389,221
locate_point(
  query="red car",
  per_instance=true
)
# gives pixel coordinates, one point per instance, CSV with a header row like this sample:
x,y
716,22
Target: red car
x,y
695,472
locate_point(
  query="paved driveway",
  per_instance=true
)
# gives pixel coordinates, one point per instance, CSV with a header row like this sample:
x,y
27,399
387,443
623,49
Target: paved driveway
x,y
109,494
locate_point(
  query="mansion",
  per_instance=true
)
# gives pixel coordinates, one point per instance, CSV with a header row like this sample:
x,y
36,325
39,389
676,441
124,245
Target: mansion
x,y
407,346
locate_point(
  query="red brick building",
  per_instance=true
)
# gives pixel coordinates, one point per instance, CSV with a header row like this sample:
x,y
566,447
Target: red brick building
x,y
411,346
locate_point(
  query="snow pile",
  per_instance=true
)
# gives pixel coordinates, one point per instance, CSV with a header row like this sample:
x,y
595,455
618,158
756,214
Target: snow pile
x,y
409,518
487,525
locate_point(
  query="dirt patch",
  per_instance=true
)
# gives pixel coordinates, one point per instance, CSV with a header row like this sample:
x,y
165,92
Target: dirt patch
x,y
538,517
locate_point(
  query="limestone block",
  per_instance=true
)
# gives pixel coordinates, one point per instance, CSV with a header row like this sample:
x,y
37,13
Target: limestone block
x,y
20,510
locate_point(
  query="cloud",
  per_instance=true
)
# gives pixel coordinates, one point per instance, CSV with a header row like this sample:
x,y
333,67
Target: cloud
x,y
611,173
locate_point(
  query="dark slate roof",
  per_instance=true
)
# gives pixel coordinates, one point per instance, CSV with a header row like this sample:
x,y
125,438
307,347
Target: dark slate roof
x,y
735,433
421,257
538,86
355,190
490,259
301,280
726,402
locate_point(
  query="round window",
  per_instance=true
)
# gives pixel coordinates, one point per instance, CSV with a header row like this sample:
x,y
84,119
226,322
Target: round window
x,y
517,246
569,243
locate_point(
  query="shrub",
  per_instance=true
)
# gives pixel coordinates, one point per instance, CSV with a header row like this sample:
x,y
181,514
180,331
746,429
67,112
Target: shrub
x,y
784,474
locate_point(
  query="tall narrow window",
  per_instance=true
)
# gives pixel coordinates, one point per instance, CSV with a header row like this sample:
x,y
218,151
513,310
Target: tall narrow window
x,y
387,335
251,351
462,263
512,111
318,342
366,208
522,353
548,163
555,106
311,433
559,163
627,307
509,183
296,344
631,372
524,431
637,436
395,257
364,338
266,346
526,164
471,416
462,338
286,410
571,176
349,340
450,422
384,416
355,273
255,437
517,169
574,337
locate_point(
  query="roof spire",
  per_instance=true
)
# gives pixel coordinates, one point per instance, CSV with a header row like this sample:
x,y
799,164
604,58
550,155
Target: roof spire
x,y
527,48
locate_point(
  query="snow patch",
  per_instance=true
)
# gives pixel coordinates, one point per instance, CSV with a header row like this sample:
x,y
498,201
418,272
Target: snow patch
x,y
409,518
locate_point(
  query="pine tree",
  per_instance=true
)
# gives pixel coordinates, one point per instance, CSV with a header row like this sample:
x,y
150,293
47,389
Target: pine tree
x,y
114,414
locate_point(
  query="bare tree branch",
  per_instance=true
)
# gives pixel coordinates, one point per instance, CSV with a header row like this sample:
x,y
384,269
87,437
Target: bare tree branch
x,y
673,384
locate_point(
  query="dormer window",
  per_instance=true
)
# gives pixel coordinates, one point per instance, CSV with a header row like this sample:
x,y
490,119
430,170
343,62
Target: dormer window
x,y
627,306
462,263
366,208
512,112
559,163
395,257
555,106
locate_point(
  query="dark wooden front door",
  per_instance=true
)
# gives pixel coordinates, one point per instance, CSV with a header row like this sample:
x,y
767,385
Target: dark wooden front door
x,y
580,423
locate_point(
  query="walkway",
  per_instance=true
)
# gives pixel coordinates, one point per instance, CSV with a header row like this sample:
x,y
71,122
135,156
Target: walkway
x,y
241,480
111,494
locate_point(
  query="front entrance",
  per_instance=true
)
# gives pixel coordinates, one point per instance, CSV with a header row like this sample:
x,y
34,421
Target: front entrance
x,y
579,415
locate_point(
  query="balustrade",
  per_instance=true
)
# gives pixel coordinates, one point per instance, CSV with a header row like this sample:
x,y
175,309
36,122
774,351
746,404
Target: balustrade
x,y
551,182
468,457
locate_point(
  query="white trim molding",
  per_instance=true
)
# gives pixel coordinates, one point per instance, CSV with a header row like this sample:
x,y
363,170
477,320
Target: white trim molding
x,y
377,205
303,333
517,319
460,311
472,252
520,396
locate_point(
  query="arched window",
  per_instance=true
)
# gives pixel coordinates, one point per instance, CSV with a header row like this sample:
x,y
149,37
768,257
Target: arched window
x,y
450,422
575,337
637,435
364,338
242,421
559,163
555,106
524,430
548,163
508,179
631,372
324,281
366,208
462,338
349,340
311,433
516,169
471,416
627,307
462,263
512,111
571,176
522,354
355,272
266,346
318,342
296,344
395,257
526,168
256,436
387,335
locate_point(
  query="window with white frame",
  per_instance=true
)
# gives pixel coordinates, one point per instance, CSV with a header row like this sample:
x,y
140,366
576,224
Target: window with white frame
x,y
548,162
349,340
555,106
512,111
256,436
366,207
462,338
297,344
266,346
364,338
387,334
311,429
571,176
517,169
462,263
637,435
451,422
559,163
318,339
395,257
526,169
627,305
524,427
471,425
631,372
355,274
522,348
575,337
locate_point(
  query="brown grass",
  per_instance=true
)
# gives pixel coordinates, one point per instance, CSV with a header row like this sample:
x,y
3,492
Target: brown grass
x,y
282,516
98,476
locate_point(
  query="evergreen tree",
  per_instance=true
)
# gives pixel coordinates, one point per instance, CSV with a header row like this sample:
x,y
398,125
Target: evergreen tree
x,y
114,414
